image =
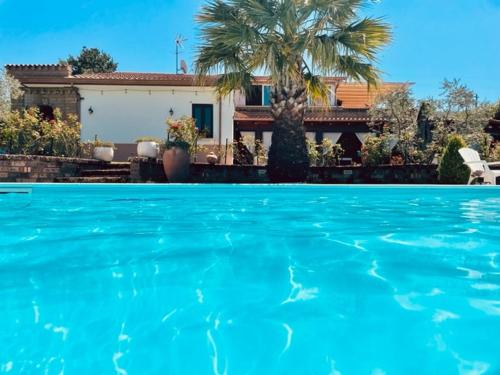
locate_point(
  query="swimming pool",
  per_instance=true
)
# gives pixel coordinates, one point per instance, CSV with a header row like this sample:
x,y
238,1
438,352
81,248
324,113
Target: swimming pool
x,y
220,279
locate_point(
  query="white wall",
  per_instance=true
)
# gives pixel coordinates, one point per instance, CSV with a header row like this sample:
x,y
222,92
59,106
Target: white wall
x,y
122,114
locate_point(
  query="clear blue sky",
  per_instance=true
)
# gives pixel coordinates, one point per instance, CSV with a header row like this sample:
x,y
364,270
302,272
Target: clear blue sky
x,y
433,39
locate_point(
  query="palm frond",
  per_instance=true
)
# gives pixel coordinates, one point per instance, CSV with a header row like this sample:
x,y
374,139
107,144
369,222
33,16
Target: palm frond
x,y
277,37
316,88
228,82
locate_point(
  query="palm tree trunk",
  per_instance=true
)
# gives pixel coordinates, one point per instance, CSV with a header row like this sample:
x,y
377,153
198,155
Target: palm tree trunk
x,y
288,157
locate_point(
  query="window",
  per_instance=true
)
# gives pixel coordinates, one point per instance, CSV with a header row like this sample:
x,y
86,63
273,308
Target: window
x,y
266,97
203,115
254,96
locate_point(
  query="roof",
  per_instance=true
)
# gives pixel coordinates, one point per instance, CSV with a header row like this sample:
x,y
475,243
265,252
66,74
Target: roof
x,y
352,95
357,95
313,114
263,80
61,74
146,79
34,66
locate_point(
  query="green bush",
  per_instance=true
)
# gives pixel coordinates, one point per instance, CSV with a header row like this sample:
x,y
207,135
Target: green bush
x,y
452,170
375,151
330,153
312,152
494,153
326,154
182,133
28,133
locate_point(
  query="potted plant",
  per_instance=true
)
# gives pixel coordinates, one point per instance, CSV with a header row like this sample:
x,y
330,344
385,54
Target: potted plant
x,y
104,151
179,147
148,147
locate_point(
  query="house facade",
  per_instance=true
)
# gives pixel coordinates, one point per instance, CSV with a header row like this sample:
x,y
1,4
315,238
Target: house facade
x,y
121,107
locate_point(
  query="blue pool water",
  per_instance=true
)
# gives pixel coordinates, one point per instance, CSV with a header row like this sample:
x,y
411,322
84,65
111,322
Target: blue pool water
x,y
219,279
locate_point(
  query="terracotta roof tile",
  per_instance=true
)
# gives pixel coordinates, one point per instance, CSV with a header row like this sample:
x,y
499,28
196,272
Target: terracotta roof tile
x,y
313,114
135,76
34,66
357,95
353,95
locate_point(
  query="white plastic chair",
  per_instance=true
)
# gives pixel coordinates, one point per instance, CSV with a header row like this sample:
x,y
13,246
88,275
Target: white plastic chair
x,y
478,167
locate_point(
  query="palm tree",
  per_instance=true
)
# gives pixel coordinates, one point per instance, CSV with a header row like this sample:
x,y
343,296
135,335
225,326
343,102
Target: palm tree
x,y
295,42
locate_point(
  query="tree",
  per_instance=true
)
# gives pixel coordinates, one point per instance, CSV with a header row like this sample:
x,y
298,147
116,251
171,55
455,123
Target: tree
x,y
397,111
422,129
452,170
295,42
460,111
497,112
10,88
91,60
424,125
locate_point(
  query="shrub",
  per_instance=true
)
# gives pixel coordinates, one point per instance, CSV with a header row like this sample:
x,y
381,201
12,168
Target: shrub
x,y
260,152
312,152
375,151
327,154
28,133
330,153
494,154
452,170
182,133
242,154
496,116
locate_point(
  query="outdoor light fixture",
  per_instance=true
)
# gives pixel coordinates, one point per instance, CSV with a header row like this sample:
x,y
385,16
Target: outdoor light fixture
x,y
91,110
171,112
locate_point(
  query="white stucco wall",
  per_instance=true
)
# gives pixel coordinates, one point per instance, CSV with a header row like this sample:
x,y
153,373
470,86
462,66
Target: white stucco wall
x,y
122,114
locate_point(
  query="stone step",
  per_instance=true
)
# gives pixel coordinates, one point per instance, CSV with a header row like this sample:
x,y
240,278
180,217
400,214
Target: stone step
x,y
93,180
105,172
119,164
112,165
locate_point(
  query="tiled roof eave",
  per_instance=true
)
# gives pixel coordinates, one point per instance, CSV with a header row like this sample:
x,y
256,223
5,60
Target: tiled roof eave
x,y
108,82
314,114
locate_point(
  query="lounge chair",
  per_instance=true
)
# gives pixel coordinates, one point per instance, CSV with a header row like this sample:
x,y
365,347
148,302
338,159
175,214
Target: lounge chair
x,y
478,167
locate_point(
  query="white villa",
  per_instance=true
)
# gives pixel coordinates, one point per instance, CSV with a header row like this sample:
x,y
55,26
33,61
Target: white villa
x,y
121,107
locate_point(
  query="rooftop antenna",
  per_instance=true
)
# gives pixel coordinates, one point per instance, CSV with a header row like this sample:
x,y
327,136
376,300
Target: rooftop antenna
x,y
179,43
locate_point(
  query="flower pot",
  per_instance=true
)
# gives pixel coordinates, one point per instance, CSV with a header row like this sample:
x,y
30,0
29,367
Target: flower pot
x,y
176,164
104,153
148,149
212,159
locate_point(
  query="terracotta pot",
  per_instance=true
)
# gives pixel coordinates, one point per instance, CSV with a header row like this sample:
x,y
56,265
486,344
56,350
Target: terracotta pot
x,y
148,149
104,153
176,164
212,158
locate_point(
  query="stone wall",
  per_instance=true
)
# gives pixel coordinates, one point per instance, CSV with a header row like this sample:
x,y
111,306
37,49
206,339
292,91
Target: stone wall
x,y
63,96
384,174
67,99
144,170
21,168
